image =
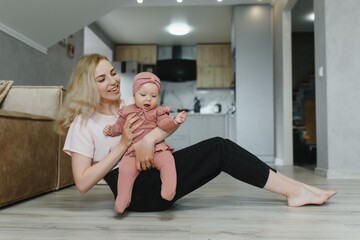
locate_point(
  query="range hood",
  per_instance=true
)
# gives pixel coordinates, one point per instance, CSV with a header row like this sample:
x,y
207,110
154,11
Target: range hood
x,y
176,68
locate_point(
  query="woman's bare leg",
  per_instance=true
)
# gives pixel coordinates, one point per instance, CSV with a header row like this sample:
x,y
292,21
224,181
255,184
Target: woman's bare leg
x,y
297,194
316,190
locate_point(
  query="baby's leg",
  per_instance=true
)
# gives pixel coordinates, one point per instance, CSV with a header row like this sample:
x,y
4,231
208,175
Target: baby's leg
x,y
127,175
164,161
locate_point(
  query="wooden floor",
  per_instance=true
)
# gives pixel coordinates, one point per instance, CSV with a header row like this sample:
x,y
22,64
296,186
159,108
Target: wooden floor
x,y
223,209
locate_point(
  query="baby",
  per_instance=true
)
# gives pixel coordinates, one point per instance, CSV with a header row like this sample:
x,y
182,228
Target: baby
x,y
146,91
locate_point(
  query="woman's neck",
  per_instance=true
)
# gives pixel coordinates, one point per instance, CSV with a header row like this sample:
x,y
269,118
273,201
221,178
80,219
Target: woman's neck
x,y
108,108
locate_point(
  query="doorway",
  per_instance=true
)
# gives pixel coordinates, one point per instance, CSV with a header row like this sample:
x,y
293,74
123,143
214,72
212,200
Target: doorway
x,y
303,90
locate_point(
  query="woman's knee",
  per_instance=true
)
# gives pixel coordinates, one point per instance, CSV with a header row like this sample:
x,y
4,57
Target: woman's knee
x,y
215,142
220,143
217,139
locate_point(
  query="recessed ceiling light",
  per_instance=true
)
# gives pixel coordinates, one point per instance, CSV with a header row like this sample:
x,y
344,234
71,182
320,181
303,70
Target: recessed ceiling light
x,y
310,17
140,1
179,1
219,0
178,29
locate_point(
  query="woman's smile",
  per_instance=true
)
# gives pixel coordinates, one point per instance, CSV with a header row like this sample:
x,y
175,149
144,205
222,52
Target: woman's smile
x,y
114,89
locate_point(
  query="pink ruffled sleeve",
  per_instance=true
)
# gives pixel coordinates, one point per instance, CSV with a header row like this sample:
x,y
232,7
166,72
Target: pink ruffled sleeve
x,y
164,120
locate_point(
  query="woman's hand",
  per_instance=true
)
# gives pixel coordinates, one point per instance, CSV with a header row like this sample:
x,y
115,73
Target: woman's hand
x,y
144,152
128,133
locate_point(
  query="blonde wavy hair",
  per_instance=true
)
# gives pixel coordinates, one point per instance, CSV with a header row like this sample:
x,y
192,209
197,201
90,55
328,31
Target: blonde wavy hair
x,y
82,95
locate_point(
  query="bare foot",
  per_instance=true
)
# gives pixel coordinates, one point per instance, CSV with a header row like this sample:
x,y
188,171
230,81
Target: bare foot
x,y
315,190
319,191
305,197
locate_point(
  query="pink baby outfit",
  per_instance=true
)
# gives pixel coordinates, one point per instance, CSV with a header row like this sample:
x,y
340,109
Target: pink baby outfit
x,y
163,158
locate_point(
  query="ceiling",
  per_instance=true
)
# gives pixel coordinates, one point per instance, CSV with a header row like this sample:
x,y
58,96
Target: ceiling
x,y
42,23
300,14
210,20
146,24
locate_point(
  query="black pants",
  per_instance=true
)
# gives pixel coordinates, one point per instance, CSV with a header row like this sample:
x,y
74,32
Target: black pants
x,y
195,166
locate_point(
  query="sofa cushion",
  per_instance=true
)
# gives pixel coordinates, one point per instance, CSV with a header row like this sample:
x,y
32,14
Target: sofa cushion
x,y
38,100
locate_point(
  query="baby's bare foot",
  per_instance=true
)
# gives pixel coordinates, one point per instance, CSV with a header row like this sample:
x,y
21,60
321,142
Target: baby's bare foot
x,y
120,207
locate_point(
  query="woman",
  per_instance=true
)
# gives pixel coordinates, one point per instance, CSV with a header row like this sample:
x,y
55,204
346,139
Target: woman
x,y
91,103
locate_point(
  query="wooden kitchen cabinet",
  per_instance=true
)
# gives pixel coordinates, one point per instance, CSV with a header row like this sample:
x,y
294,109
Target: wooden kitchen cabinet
x,y
214,66
144,54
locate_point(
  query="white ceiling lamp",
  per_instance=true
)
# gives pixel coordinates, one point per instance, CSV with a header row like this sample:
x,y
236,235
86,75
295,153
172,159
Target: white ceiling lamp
x,y
219,0
179,1
178,29
310,17
139,1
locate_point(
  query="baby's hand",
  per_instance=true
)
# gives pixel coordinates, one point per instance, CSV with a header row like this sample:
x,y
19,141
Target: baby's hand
x,y
181,117
108,130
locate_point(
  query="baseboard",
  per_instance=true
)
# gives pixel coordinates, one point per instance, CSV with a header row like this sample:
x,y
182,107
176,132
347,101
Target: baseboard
x,y
338,174
279,162
282,162
266,158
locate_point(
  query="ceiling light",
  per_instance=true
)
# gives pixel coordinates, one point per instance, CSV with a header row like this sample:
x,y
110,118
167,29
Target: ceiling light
x,y
178,29
219,0
179,1
310,17
139,1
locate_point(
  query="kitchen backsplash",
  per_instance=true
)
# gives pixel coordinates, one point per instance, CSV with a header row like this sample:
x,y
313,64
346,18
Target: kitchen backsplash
x,y
182,96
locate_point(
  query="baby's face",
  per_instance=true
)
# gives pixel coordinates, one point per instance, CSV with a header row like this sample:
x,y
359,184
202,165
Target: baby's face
x,y
147,96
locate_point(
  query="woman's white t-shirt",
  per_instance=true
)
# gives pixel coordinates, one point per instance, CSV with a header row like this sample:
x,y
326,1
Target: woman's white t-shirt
x,y
88,138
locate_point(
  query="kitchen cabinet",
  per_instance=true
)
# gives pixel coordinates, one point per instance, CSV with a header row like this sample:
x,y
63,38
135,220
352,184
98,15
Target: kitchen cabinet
x,y
198,127
214,66
144,54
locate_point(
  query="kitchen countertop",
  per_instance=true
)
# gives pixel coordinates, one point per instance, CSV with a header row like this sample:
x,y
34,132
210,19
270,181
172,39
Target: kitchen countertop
x,y
206,114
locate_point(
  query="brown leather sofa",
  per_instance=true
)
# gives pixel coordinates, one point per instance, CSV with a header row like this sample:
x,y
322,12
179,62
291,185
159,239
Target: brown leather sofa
x,y
31,158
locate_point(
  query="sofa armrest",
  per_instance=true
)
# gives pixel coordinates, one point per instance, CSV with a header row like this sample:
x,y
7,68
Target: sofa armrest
x,y
29,156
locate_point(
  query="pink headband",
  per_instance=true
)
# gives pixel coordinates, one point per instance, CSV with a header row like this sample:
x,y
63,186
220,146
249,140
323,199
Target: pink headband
x,y
145,77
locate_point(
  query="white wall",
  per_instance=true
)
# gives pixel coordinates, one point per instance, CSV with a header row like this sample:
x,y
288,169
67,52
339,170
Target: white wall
x,y
28,66
254,79
283,82
93,44
337,37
